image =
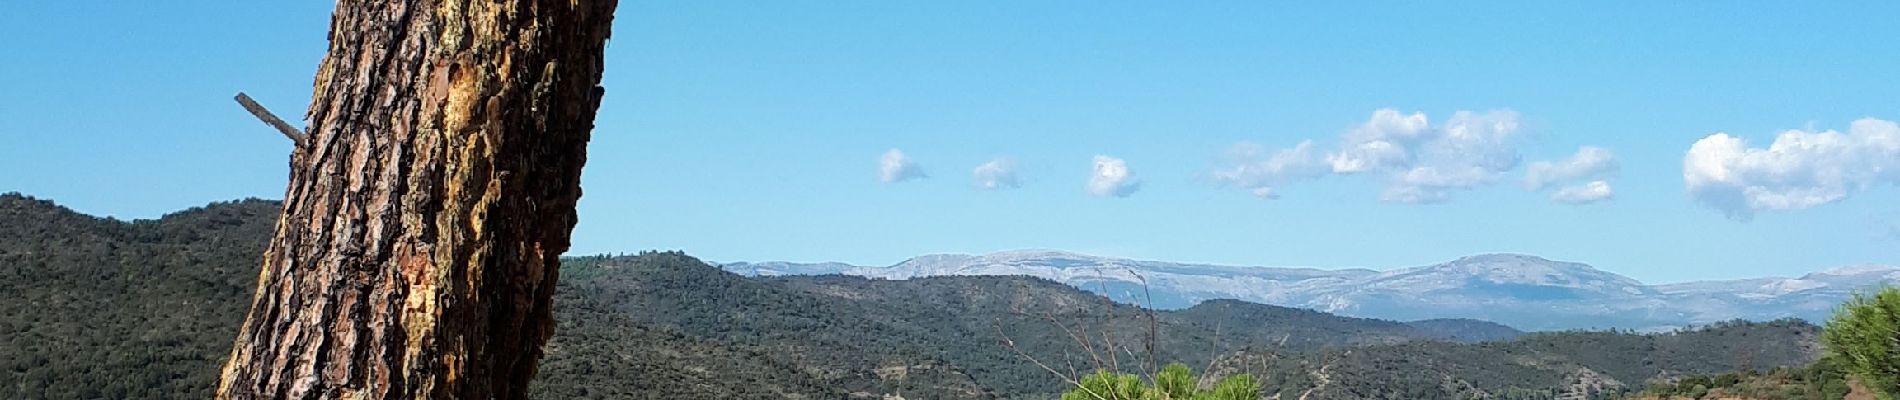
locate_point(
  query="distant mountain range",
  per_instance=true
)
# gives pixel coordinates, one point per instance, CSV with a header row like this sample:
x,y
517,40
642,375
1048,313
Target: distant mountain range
x,y
103,308
1526,292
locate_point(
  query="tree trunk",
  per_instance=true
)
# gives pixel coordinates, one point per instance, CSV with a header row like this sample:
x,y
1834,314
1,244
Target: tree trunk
x,y
422,230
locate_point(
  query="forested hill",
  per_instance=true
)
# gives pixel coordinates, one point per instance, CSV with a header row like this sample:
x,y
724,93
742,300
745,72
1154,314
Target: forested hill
x,y
952,337
1542,365
101,308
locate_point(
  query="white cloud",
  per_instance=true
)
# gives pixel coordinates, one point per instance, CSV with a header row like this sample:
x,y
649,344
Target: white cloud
x,y
1111,177
998,173
1591,192
1589,162
1253,168
1472,149
1801,169
895,167
1580,177
1420,162
1423,163
1386,139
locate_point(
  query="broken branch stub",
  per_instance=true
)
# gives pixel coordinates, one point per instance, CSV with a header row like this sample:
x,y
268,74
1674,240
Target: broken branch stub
x,y
295,135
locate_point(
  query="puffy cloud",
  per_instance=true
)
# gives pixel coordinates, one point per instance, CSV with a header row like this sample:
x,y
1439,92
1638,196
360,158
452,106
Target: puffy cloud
x,y
998,173
1252,167
1111,177
1471,149
1385,140
1801,169
1420,163
1591,192
1589,162
1580,175
894,167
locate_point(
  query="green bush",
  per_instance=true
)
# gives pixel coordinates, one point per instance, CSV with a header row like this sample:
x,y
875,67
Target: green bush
x,y
1174,382
1865,338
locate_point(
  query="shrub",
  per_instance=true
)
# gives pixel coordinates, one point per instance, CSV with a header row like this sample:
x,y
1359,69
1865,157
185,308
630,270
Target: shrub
x,y
1864,336
1174,382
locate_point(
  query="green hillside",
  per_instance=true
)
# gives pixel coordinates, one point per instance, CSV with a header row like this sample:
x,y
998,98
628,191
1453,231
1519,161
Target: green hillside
x,y
1537,366
102,308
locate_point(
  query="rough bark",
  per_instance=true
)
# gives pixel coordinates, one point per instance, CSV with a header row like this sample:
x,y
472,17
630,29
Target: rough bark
x,y
418,249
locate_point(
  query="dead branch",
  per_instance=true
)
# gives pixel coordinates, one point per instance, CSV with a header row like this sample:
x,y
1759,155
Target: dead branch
x,y
1011,344
1154,331
1216,350
1078,338
1108,322
262,114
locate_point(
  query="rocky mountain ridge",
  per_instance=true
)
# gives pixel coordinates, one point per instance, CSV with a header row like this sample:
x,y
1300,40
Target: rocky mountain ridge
x,y
1523,291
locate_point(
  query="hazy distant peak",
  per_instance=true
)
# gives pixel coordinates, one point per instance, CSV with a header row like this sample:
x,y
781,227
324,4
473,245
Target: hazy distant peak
x,y
777,268
938,259
1515,267
1859,270
1035,254
1521,262
1497,261
1518,289
1501,257
1039,257
1514,276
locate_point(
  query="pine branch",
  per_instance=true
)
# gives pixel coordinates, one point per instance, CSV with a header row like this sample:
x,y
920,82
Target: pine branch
x,y
262,114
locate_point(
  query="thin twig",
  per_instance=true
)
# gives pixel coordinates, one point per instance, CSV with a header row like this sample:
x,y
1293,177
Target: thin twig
x,y
1088,342
1154,331
1069,359
1007,342
1078,338
1205,373
1108,322
258,110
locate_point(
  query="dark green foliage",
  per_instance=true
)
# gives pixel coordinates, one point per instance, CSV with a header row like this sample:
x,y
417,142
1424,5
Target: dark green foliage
x,y
600,353
1541,365
1419,370
1822,380
1105,385
962,321
100,308
1043,319
1174,382
1252,324
1466,330
845,329
1726,346
783,334
1234,387
1865,336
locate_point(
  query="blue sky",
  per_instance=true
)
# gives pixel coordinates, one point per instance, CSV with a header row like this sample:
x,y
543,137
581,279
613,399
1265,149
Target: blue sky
x,y
746,131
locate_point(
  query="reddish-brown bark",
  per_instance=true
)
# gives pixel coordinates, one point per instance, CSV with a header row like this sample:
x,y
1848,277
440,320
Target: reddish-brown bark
x,y
420,240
